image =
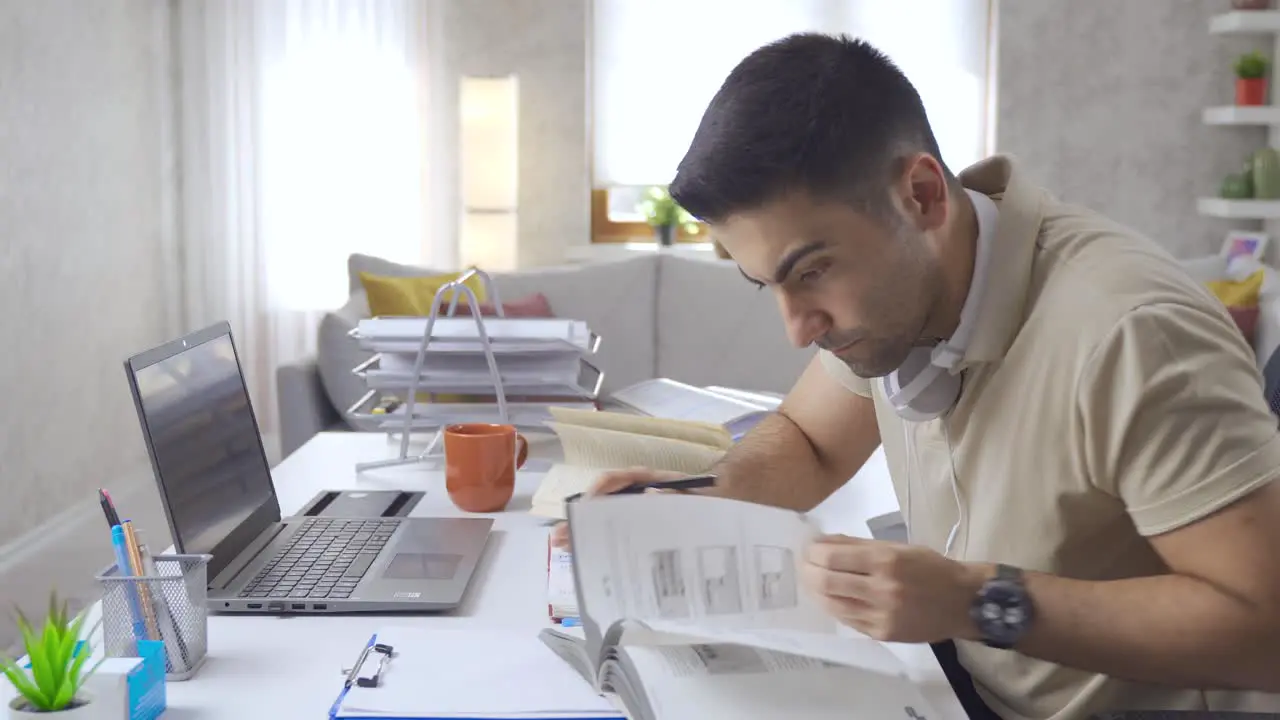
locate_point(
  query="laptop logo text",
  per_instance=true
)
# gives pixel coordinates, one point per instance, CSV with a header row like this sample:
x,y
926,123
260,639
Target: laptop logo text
x,y
403,594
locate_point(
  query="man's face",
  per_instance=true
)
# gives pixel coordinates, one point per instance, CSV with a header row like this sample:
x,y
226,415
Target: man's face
x,y
858,286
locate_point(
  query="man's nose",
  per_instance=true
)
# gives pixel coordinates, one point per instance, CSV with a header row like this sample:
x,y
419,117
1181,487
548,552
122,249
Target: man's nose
x,y
805,323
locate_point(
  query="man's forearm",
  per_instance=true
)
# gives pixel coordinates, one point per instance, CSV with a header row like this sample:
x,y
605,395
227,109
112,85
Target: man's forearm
x,y
775,464
1168,629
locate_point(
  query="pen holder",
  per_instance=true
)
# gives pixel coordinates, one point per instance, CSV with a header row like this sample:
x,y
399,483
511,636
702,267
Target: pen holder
x,y
170,606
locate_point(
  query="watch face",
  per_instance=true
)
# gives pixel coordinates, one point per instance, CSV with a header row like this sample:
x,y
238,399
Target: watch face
x,y
1002,612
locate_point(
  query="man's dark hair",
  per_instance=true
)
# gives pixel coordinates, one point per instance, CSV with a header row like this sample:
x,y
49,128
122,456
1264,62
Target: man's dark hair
x,y
828,115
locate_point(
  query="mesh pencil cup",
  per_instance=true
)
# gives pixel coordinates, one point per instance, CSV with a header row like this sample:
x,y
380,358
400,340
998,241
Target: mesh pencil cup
x,y
168,603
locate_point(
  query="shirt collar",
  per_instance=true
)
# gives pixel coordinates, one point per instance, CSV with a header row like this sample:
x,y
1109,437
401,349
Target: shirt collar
x,y
1002,300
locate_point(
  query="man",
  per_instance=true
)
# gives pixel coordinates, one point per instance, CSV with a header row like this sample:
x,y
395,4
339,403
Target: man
x,y
1084,459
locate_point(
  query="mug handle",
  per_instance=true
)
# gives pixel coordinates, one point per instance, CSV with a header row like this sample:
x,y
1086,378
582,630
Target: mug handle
x,y
522,450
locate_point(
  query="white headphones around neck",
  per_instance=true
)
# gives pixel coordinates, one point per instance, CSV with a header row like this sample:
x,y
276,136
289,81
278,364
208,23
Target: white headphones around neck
x,y
924,386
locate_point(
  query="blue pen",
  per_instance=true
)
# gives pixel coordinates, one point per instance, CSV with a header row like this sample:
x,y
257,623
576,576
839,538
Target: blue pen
x,y
123,569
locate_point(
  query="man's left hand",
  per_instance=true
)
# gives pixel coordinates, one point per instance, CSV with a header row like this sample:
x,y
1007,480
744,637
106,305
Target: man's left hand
x,y
893,592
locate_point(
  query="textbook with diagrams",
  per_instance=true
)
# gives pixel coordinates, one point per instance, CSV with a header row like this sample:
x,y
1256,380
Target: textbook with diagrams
x,y
691,606
598,441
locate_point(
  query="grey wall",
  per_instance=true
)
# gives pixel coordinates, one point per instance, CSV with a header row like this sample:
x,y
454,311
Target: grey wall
x,y
545,45
80,280
1102,99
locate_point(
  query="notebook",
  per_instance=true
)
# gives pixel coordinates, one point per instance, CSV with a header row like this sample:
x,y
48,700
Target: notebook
x,y
736,411
451,672
562,600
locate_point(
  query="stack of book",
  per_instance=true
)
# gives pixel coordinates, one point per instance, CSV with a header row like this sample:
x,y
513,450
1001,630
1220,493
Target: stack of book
x,y
536,363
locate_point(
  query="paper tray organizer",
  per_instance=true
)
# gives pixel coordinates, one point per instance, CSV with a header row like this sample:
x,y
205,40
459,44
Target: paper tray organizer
x,y
529,365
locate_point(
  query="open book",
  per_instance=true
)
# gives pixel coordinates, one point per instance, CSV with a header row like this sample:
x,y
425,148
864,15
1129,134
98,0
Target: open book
x,y
691,606
594,442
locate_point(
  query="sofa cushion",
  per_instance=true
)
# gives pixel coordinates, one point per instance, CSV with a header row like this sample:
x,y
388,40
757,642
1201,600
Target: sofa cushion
x,y
715,328
530,306
411,296
337,353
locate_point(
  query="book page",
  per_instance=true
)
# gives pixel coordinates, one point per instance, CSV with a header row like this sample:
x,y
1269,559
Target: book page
x,y
692,561
559,482
611,449
716,680
700,433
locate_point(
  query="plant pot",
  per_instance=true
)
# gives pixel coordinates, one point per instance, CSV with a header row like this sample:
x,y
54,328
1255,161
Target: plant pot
x,y
665,234
88,710
1251,91
1251,4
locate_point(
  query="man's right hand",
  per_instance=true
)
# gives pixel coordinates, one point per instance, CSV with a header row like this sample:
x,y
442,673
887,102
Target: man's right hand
x,y
611,482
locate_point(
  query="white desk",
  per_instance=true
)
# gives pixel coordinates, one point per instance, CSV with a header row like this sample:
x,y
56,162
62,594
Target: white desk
x,y
290,668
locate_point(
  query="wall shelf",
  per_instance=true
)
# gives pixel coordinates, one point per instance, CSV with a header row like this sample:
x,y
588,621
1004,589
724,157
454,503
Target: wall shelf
x,y
1239,209
1242,115
1245,21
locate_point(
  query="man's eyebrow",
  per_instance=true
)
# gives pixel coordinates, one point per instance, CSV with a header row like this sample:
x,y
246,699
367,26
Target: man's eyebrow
x,y
788,262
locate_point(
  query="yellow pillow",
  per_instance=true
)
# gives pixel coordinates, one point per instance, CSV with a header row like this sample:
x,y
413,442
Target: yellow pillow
x,y
1238,293
412,296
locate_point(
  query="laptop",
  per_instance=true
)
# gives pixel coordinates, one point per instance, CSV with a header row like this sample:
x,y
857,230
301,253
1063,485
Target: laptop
x,y
215,485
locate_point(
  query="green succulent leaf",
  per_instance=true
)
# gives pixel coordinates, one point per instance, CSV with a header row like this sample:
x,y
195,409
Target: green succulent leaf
x,y
54,677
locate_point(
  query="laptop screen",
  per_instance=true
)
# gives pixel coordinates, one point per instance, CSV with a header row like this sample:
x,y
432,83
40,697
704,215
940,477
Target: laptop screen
x,y
205,447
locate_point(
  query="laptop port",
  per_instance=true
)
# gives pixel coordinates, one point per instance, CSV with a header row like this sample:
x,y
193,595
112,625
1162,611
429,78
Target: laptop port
x,y
298,606
255,606
319,606
275,607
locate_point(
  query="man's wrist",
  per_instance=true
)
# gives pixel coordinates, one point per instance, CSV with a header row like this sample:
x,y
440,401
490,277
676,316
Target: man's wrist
x,y
972,577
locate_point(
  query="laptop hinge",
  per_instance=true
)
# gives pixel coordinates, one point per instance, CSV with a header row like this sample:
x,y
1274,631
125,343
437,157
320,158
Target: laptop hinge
x,y
246,556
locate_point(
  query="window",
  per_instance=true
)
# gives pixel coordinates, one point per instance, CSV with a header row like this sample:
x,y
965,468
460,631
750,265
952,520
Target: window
x,y
657,63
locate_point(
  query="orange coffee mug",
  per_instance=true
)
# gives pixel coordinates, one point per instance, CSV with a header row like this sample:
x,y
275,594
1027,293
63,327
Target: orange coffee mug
x,y
480,463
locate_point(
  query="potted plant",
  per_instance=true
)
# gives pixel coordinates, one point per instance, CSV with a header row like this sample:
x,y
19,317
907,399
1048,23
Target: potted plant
x,y
52,681
1251,78
664,215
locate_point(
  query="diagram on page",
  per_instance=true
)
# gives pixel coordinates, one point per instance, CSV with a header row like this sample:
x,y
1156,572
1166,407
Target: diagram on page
x,y
776,577
719,580
669,588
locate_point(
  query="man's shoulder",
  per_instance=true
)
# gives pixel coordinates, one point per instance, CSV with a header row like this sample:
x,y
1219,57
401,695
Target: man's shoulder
x,y
1091,273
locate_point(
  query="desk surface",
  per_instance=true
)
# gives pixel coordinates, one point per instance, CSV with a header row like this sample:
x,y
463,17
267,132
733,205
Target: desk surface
x,y
291,668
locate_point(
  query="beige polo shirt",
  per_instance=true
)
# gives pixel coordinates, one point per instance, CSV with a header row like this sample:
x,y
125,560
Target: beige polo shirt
x,y
1107,397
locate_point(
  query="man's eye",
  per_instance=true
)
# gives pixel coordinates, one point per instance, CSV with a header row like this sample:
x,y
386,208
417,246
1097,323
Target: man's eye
x,y
811,275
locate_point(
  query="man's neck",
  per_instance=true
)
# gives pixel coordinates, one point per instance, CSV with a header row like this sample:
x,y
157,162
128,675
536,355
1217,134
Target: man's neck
x,y
957,252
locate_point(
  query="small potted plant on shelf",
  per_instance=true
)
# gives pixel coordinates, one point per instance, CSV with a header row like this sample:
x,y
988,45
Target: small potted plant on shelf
x,y
1251,78
664,215
50,685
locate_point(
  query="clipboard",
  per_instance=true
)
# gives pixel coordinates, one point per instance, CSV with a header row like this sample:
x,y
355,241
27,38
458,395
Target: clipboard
x,y
376,657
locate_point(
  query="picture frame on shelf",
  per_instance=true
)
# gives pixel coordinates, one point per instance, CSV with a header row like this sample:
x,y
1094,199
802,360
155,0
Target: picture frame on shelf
x,y
1244,242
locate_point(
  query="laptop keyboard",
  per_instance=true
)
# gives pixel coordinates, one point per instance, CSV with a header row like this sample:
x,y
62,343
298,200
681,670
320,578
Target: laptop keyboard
x,y
325,558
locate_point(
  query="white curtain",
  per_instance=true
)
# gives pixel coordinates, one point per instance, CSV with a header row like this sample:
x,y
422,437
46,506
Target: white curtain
x,y
647,98
306,130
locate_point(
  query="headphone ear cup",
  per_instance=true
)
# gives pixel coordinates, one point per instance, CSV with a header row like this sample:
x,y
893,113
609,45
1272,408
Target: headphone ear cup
x,y
919,390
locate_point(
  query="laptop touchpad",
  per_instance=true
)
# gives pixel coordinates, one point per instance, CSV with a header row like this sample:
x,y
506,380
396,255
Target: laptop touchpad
x,y
422,566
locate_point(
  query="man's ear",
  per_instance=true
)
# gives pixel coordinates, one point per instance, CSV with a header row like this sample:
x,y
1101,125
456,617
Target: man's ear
x,y
923,189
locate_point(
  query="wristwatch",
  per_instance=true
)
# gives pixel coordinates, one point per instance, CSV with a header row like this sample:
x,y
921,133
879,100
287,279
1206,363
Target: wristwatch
x,y
1002,610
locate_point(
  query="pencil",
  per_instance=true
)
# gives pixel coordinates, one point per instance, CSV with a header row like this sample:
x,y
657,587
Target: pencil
x,y
139,573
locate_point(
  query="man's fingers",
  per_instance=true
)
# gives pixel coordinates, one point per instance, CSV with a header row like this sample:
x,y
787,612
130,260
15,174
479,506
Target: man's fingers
x,y
615,480
842,555
560,535
835,584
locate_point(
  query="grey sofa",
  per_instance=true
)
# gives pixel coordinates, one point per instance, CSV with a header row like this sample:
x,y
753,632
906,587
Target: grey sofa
x,y
661,315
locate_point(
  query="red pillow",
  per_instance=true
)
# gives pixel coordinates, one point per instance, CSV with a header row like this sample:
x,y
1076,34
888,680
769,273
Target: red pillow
x,y
529,306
